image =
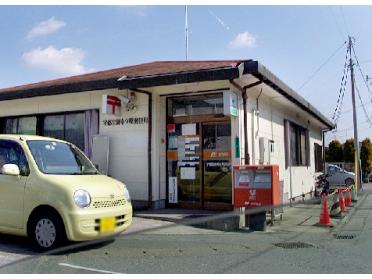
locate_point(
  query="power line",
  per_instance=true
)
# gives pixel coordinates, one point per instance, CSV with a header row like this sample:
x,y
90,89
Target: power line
x,y
321,66
339,28
348,128
351,109
360,70
365,61
364,109
343,17
341,94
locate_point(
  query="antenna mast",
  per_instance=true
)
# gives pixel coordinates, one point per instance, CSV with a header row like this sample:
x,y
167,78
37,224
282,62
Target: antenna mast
x,y
186,33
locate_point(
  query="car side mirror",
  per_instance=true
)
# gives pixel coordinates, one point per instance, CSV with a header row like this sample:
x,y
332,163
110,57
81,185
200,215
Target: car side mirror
x,y
10,169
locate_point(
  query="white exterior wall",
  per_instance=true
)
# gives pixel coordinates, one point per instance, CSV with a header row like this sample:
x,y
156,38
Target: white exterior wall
x,y
128,148
128,143
269,123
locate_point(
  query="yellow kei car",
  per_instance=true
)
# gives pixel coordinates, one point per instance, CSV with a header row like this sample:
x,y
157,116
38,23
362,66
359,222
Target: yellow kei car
x,y
50,191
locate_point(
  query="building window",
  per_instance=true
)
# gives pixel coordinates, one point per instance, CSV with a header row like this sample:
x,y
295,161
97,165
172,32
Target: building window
x,y
74,129
21,125
297,145
196,105
69,127
54,126
318,156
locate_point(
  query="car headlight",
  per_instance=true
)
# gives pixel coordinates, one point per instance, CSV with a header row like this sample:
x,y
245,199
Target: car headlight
x,y
82,198
126,194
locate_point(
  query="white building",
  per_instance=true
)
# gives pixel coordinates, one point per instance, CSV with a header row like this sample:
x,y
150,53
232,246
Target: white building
x,y
169,127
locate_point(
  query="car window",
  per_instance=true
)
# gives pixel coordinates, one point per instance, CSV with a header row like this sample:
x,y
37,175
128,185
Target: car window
x,y
331,170
12,153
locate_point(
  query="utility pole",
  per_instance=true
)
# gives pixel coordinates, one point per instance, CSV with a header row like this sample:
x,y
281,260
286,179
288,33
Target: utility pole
x,y
355,122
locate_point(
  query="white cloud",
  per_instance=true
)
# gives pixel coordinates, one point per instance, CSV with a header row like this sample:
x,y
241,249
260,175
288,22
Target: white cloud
x,y
45,28
243,40
67,61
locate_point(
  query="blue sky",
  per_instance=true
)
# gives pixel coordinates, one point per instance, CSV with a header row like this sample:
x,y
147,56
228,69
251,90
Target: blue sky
x,y
292,41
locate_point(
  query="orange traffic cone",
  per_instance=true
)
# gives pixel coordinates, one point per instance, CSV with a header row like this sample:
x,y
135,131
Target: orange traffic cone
x,y
325,219
341,200
348,198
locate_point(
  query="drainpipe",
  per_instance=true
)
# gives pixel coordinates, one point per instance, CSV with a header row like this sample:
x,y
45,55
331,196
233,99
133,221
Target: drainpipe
x,y
243,90
323,149
245,121
255,117
149,145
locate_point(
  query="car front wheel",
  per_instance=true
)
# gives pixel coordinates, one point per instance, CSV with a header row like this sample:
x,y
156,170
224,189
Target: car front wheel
x,y
46,231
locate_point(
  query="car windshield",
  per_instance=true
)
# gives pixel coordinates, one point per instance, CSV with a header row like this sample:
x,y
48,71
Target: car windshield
x,y
53,157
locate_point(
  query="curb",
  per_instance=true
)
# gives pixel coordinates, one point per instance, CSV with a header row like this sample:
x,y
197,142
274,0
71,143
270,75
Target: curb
x,y
351,212
158,218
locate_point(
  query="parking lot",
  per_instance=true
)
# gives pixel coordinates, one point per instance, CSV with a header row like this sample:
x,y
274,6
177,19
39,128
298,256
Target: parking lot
x,y
14,248
154,246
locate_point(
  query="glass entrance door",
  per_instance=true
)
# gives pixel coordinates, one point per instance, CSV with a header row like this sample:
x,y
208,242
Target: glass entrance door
x,y
216,162
199,165
184,171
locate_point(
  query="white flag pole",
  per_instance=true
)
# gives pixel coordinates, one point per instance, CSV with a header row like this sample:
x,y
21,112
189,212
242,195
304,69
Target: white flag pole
x,y
186,33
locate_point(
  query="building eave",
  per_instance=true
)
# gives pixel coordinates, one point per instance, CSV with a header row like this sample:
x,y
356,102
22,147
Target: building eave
x,y
262,73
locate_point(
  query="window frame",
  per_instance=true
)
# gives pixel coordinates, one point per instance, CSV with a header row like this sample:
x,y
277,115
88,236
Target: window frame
x,y
17,118
318,157
23,172
297,140
40,120
171,103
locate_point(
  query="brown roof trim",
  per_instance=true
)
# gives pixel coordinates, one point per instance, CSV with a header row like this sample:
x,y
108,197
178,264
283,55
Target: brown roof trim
x,y
179,78
60,89
140,76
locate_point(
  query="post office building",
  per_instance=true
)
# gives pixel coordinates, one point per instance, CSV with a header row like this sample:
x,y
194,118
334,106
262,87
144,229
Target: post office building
x,y
173,130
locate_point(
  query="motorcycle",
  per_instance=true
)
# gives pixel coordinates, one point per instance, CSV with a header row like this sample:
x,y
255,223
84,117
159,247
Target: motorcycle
x,y
321,185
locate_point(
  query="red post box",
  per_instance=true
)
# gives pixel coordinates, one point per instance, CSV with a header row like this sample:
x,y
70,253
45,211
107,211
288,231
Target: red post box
x,y
256,186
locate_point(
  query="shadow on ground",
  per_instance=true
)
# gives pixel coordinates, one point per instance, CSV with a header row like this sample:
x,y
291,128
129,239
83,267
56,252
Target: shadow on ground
x,y
15,244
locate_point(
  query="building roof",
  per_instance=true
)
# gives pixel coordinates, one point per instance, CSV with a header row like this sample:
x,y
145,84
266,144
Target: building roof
x,y
141,70
160,73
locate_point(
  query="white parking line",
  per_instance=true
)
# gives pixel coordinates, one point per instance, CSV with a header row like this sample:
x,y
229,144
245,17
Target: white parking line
x,y
87,268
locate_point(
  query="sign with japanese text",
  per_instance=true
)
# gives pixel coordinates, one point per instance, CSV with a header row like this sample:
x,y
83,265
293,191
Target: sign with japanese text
x,y
172,190
126,121
230,103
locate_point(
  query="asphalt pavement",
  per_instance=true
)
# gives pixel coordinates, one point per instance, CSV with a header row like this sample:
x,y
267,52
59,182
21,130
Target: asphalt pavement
x,y
295,245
